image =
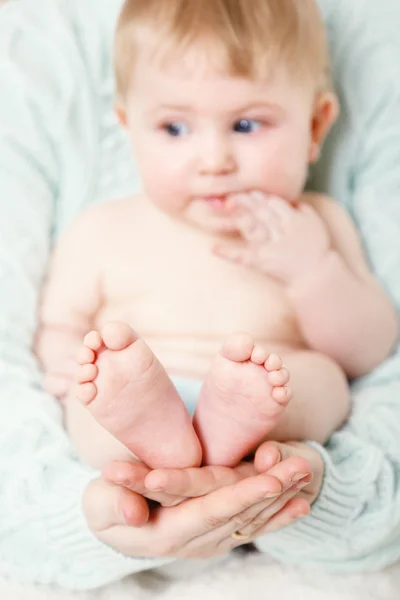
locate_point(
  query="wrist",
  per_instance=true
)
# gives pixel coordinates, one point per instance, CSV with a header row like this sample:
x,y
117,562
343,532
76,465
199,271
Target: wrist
x,y
306,281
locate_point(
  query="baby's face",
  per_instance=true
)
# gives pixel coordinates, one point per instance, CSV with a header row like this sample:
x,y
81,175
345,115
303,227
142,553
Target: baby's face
x,y
199,136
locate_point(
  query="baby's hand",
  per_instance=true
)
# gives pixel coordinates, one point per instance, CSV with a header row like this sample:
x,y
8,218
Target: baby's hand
x,y
281,240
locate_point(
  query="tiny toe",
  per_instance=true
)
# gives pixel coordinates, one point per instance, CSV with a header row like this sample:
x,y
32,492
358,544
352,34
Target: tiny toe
x,y
279,378
259,355
85,356
118,336
282,395
86,392
93,341
87,373
273,363
238,347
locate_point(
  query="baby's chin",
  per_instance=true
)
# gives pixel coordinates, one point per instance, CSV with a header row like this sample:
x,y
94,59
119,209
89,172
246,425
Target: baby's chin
x,y
218,229
214,223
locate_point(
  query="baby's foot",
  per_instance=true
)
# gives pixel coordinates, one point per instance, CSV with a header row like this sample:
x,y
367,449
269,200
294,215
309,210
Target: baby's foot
x,y
128,392
241,400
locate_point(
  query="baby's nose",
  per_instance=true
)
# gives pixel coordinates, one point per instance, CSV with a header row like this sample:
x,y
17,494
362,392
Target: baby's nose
x,y
216,158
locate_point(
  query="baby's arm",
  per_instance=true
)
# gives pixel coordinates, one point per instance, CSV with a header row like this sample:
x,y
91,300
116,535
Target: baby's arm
x,y
343,311
314,251
71,297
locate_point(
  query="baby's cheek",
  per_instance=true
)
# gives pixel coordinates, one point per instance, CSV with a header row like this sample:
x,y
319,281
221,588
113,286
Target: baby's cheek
x,y
163,188
283,178
273,176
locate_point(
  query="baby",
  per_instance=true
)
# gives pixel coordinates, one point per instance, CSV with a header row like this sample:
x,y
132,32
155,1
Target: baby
x,y
226,103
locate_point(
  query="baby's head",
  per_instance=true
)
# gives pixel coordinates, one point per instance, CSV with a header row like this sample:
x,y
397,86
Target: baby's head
x,y
221,97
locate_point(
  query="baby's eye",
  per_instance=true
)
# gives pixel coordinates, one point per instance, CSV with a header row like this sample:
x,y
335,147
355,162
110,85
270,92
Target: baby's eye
x,y
176,129
247,126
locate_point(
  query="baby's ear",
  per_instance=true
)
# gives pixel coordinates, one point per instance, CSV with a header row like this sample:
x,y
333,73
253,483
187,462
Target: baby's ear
x,y
326,111
120,111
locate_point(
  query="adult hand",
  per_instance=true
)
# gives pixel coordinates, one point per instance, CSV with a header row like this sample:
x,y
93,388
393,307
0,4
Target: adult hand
x,y
199,527
169,487
271,453
298,506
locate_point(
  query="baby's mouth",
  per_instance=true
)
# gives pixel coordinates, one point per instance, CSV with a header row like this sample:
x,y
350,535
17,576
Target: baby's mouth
x,y
217,202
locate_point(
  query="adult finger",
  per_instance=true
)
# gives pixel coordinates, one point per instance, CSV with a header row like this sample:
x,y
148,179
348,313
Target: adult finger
x,y
273,450
290,470
132,476
294,510
106,505
194,528
199,482
265,515
230,504
219,536
294,475
276,452
200,526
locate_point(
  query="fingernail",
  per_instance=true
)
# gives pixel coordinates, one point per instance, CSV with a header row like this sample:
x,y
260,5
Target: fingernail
x,y
125,516
278,459
272,495
302,485
153,488
298,517
299,476
123,482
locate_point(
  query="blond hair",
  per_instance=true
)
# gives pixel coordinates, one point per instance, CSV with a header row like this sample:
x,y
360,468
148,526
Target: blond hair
x,y
249,36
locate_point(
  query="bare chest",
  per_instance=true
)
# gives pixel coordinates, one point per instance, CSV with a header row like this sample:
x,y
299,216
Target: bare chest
x,y
173,286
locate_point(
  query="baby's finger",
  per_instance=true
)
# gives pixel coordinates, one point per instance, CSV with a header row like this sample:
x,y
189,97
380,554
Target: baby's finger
x,y
257,219
236,202
249,201
246,223
235,254
198,482
282,208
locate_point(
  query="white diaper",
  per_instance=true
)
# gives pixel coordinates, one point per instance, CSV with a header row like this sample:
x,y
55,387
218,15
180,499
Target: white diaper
x,y
188,390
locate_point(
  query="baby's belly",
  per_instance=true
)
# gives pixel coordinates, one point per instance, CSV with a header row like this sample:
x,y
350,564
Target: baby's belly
x,y
189,350
192,358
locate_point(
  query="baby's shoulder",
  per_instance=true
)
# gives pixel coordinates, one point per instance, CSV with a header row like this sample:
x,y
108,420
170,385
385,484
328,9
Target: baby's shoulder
x,y
320,202
343,230
99,220
110,211
327,208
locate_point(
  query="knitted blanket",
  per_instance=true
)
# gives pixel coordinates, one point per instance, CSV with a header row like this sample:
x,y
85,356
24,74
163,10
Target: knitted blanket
x,y
238,576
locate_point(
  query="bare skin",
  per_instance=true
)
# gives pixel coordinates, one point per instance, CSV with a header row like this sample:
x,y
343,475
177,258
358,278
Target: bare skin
x,y
241,401
260,504
224,239
245,299
120,376
132,383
